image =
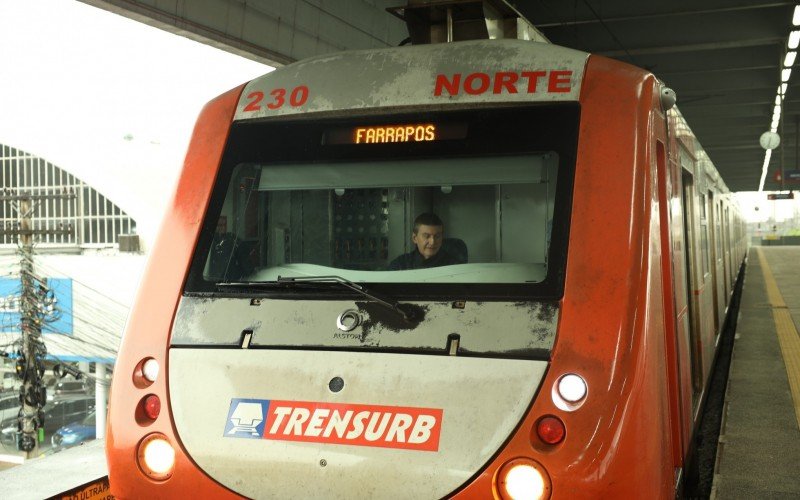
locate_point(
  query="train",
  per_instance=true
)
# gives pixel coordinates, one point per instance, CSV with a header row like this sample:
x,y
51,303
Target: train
x,y
478,269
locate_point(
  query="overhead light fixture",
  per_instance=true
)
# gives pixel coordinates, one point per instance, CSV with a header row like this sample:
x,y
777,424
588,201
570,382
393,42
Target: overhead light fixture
x,y
788,61
784,86
796,16
776,110
794,39
777,99
767,157
785,74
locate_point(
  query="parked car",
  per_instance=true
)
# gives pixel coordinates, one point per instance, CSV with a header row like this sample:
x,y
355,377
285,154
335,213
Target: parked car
x,y
11,382
75,433
66,388
57,413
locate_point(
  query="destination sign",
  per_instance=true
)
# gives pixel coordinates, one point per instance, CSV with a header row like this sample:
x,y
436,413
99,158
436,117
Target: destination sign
x,y
400,133
780,196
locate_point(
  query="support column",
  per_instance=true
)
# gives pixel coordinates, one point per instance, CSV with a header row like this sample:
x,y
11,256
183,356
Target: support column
x,y
101,399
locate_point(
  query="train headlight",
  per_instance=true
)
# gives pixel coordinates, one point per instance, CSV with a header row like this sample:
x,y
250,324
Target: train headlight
x,y
150,369
156,456
523,479
572,388
569,392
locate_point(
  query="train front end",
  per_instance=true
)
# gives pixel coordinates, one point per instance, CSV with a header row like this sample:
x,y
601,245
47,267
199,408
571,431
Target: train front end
x,y
293,339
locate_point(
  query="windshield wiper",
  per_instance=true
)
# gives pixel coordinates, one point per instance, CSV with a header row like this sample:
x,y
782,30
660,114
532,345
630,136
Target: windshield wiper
x,y
387,302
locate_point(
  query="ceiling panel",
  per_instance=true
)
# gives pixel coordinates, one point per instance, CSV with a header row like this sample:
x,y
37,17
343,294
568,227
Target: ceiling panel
x,y
723,59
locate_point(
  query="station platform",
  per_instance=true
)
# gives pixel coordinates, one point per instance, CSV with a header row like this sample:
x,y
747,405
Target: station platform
x,y
758,455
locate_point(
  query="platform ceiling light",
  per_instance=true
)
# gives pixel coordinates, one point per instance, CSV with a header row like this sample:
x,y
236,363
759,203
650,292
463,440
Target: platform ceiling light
x,y
767,157
786,73
794,39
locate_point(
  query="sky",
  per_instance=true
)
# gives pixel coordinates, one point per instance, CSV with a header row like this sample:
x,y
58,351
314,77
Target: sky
x,y
757,208
108,99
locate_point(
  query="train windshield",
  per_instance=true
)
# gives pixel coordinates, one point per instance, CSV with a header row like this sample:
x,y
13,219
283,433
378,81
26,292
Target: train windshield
x,y
402,209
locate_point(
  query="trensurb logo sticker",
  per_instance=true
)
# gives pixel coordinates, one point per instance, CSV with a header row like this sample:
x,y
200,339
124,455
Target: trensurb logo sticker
x,y
336,423
246,418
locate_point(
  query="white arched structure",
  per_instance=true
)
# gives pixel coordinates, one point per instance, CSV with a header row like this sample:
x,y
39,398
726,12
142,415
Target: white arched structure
x,y
65,202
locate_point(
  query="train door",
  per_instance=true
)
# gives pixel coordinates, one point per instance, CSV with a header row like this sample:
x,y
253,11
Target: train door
x,y
714,252
726,251
692,279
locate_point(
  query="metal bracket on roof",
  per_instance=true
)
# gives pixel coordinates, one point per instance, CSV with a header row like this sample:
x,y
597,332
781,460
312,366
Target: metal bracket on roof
x,y
441,21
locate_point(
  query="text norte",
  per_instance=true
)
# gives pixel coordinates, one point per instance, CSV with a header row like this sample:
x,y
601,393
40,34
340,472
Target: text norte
x,y
509,82
354,424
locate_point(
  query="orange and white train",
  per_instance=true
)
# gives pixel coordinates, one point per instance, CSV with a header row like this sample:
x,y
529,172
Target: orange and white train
x,y
273,353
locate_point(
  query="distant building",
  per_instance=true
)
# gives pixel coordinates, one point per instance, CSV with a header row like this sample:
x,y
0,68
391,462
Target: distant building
x,y
92,282
97,222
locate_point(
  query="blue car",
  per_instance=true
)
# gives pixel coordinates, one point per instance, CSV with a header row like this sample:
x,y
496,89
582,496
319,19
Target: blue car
x,y
75,433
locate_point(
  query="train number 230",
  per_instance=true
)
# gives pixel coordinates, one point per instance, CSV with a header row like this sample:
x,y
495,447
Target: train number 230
x,y
297,97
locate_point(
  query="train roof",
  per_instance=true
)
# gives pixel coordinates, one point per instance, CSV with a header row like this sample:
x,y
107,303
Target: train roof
x,y
401,76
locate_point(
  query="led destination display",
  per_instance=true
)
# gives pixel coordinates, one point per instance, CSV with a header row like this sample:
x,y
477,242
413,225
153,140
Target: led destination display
x,y
406,132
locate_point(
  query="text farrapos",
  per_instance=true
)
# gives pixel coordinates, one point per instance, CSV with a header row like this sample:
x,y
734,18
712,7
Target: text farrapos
x,y
391,133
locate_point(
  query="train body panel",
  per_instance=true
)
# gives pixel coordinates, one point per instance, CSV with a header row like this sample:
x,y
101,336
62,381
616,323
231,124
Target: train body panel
x,y
306,456
150,322
586,251
428,75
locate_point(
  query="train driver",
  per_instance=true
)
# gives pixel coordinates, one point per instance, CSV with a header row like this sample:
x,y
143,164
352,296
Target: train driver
x,y
428,237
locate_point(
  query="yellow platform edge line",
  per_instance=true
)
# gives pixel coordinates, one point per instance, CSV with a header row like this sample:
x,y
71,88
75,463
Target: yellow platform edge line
x,y
788,337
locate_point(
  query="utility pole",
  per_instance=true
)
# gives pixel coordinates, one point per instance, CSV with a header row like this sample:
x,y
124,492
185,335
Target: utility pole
x,y
30,362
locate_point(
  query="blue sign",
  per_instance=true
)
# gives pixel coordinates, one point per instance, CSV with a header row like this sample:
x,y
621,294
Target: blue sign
x,y
57,305
246,418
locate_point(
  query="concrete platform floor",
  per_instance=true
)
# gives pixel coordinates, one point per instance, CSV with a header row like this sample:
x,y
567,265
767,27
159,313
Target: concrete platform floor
x,y
759,451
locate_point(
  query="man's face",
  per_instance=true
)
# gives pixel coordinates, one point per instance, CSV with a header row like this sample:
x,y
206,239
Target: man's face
x,y
428,239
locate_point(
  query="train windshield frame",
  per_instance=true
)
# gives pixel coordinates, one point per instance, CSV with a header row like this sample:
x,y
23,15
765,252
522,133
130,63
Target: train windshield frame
x,y
290,206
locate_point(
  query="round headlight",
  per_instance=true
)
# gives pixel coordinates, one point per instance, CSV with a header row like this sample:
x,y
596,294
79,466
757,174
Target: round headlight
x,y
523,479
150,369
572,388
156,456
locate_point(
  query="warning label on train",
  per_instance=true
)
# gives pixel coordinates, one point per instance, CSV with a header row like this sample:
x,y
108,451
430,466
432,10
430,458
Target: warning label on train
x,y
334,423
96,490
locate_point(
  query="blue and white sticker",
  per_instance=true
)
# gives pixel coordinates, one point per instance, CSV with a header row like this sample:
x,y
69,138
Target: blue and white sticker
x,y
246,418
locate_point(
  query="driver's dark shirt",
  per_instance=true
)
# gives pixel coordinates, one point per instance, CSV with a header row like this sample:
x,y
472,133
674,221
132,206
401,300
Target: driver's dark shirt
x,y
415,260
